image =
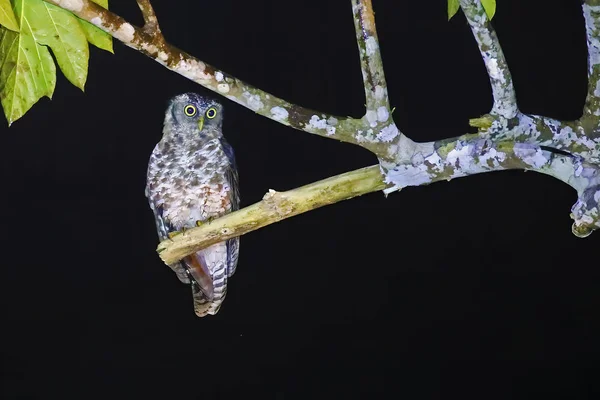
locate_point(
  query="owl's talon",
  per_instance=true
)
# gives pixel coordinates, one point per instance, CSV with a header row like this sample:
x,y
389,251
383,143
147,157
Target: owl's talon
x,y
173,234
208,220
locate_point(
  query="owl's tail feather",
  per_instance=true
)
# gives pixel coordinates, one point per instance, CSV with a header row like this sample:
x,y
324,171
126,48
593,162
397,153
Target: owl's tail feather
x,y
201,275
215,258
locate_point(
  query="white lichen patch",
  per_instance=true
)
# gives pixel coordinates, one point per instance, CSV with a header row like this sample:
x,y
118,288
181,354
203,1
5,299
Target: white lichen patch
x,y
193,69
96,21
223,88
460,156
333,121
150,48
388,133
253,101
380,92
587,142
493,70
279,113
371,45
316,123
219,76
565,136
163,56
492,156
530,155
402,176
125,33
417,159
71,5
371,116
592,35
382,114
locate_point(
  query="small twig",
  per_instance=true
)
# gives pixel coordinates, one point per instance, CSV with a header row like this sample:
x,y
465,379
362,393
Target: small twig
x,y
151,26
370,58
505,99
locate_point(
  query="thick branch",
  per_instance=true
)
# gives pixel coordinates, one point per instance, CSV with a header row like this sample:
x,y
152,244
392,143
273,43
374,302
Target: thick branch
x,y
274,207
356,131
434,161
568,136
505,99
376,94
402,161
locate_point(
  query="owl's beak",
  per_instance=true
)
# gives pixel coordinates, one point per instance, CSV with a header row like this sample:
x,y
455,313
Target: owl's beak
x,y
200,123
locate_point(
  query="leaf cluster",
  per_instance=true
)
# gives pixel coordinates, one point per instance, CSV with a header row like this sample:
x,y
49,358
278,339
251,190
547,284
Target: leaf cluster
x,y
488,5
29,30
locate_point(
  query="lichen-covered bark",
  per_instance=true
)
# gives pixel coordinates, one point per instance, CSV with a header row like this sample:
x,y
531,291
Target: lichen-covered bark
x,y
151,26
505,100
370,57
591,14
506,138
366,132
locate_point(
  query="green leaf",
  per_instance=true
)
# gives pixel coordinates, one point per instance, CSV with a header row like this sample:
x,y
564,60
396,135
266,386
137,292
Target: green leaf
x,y
95,35
7,16
60,30
27,72
490,8
453,7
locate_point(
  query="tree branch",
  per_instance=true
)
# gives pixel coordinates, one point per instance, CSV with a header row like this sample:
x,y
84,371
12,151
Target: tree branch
x,y
446,160
591,13
151,26
345,129
505,99
274,207
507,138
377,102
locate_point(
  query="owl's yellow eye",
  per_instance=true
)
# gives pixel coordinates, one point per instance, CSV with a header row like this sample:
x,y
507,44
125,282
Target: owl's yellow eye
x,y
189,110
211,113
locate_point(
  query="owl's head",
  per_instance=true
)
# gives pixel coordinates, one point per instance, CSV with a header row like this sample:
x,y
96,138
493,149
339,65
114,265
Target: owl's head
x,y
195,113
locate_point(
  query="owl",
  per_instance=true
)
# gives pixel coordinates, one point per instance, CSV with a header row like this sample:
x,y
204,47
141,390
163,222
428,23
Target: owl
x,y
192,178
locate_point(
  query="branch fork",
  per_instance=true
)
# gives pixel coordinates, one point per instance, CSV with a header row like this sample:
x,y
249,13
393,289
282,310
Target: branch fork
x,y
151,27
507,138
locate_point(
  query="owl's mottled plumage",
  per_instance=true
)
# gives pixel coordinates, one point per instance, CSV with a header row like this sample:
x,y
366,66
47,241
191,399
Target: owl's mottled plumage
x,y
192,176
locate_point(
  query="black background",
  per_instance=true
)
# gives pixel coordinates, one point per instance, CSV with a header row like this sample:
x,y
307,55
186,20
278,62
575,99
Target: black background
x,y
470,289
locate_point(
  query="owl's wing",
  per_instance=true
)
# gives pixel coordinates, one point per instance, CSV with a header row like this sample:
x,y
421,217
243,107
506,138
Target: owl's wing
x,y
233,245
